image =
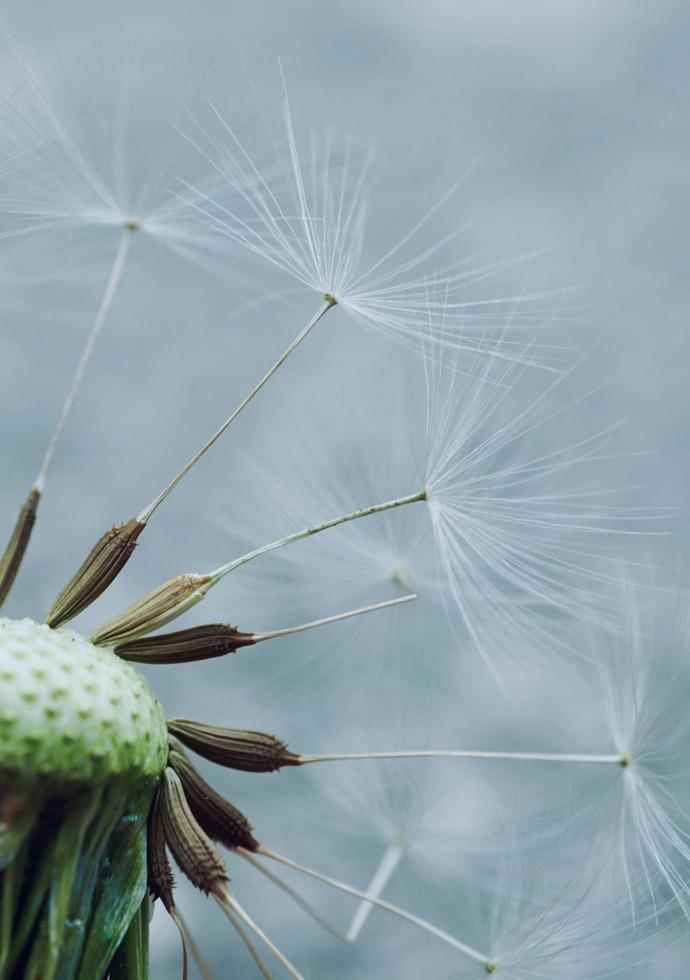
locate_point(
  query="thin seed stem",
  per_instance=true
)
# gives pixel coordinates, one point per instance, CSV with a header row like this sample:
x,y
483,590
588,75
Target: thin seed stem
x,y
617,760
172,598
387,865
194,948
294,895
146,514
290,630
307,532
229,904
251,948
101,316
433,930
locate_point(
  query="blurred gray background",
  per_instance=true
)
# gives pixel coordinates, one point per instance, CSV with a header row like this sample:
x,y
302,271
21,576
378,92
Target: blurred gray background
x,y
573,116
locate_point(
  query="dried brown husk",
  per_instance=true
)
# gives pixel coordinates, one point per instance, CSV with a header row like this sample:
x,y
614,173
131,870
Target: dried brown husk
x,y
102,565
164,603
217,816
194,851
186,646
234,748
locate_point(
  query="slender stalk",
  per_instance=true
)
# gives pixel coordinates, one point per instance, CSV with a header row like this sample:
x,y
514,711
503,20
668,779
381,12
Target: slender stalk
x,y
290,630
307,532
13,556
389,862
433,930
194,948
176,596
101,316
113,549
148,511
616,760
251,948
221,639
295,896
229,905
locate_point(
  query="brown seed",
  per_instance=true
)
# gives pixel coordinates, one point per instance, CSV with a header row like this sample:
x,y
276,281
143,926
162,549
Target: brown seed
x,y
164,603
234,747
18,543
161,881
219,818
186,646
103,564
193,850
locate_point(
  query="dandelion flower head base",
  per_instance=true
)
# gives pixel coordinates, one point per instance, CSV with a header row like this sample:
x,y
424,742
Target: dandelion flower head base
x,y
91,716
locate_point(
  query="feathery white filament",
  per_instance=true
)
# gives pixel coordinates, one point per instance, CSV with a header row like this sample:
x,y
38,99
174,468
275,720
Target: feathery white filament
x,y
306,216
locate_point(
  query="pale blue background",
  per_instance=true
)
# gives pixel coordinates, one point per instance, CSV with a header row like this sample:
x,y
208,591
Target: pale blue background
x,y
576,113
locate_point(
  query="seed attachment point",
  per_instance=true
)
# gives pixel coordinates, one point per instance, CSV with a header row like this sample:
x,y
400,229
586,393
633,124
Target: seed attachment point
x,y
101,567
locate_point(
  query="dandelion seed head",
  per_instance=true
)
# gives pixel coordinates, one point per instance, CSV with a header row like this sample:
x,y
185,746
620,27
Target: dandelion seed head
x,y
72,172
643,672
507,539
303,210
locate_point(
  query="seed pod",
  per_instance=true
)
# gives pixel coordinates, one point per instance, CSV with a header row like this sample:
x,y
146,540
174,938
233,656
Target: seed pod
x,y
103,564
164,603
234,747
193,850
219,818
161,881
18,543
186,646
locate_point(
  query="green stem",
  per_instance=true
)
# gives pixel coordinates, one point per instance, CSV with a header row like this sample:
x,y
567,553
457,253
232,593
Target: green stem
x,y
131,962
47,947
307,532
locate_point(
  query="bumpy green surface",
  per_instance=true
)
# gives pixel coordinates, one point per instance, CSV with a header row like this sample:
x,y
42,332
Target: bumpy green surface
x,y
73,711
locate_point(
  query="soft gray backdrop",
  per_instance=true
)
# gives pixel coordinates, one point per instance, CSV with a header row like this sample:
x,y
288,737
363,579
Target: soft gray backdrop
x,y
574,115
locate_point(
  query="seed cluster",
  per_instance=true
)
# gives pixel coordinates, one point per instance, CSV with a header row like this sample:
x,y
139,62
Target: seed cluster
x,y
72,711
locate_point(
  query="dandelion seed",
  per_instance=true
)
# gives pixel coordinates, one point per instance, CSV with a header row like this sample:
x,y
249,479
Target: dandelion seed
x,y
62,176
419,298
217,640
638,675
520,537
305,216
55,184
